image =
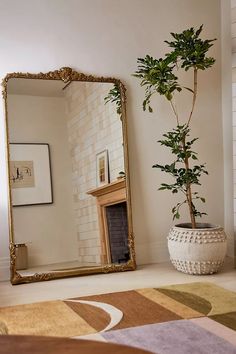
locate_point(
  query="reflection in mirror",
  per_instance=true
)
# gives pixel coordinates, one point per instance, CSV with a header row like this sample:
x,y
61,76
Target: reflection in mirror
x,y
68,180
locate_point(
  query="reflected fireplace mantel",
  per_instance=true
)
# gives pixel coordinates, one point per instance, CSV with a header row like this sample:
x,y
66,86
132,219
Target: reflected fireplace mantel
x,y
108,188
107,195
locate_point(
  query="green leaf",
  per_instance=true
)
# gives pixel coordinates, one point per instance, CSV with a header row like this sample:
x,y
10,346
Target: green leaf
x,y
199,31
177,215
168,95
189,89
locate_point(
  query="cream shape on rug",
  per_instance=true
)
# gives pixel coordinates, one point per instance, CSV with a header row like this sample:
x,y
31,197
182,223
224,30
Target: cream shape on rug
x,y
93,336
115,314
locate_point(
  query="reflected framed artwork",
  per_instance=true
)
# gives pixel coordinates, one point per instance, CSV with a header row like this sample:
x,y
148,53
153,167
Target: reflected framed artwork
x,y
30,174
102,168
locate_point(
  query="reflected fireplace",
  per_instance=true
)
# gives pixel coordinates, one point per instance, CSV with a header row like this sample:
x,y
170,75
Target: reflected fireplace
x,y
113,222
117,225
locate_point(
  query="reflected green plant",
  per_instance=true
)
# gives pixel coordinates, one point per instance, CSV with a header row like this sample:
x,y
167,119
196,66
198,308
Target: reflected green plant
x,y
114,96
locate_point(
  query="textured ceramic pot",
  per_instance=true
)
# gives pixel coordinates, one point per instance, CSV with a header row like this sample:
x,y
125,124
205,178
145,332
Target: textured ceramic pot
x,y
197,251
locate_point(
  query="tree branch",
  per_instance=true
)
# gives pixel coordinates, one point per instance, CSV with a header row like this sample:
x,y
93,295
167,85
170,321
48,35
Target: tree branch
x,y
194,93
175,111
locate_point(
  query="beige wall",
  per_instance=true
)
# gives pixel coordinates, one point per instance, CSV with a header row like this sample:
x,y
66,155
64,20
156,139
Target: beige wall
x,y
104,37
49,230
226,75
234,150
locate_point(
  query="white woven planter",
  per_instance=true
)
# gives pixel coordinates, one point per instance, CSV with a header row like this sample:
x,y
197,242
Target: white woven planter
x,y
197,251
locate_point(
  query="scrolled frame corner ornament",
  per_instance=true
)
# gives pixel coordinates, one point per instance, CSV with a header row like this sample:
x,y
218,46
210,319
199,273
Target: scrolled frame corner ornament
x,y
67,75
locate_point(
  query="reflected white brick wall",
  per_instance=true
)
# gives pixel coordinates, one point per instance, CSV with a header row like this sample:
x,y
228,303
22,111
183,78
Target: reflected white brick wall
x,y
92,128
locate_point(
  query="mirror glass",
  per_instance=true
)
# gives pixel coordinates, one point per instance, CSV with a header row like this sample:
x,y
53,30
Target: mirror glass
x,y
70,209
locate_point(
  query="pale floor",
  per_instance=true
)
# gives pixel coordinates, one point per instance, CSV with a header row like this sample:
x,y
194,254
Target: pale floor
x,y
152,275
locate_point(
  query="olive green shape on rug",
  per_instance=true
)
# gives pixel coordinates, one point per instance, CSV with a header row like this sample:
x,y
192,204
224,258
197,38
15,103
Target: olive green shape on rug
x,y
226,319
221,300
195,302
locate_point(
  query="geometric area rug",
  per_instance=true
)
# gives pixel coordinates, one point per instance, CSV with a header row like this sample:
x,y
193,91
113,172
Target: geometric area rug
x,y
196,318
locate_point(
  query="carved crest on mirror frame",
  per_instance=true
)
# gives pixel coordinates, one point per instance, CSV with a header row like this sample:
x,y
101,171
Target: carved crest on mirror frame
x,y
66,74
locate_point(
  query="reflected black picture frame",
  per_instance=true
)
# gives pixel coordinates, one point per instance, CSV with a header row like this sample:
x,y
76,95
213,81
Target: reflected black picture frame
x,y
42,192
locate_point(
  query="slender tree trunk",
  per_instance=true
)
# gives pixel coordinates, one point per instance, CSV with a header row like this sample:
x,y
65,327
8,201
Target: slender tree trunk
x,y
189,192
186,160
189,200
194,93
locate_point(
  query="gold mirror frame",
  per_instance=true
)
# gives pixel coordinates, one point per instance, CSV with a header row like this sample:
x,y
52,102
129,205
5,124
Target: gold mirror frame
x,y
67,75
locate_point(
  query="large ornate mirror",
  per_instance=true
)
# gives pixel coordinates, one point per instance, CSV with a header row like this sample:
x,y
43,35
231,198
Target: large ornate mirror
x,y
70,208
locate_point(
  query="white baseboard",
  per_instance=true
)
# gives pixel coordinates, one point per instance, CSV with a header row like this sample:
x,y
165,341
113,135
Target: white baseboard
x,y
4,268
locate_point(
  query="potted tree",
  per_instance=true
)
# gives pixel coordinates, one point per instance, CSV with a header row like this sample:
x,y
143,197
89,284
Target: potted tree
x,y
195,248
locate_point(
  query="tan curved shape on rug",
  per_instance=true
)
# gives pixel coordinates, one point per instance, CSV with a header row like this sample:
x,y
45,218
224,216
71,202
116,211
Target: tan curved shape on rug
x,y
3,328
49,318
169,303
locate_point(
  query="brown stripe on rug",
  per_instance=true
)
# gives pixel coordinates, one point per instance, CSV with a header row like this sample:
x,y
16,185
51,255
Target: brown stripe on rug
x,y
94,316
137,309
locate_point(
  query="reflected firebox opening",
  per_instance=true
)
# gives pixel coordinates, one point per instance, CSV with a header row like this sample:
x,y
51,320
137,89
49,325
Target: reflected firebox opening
x,y
117,223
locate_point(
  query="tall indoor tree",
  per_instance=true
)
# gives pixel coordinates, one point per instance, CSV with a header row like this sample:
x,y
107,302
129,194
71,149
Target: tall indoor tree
x,y
159,76
195,248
